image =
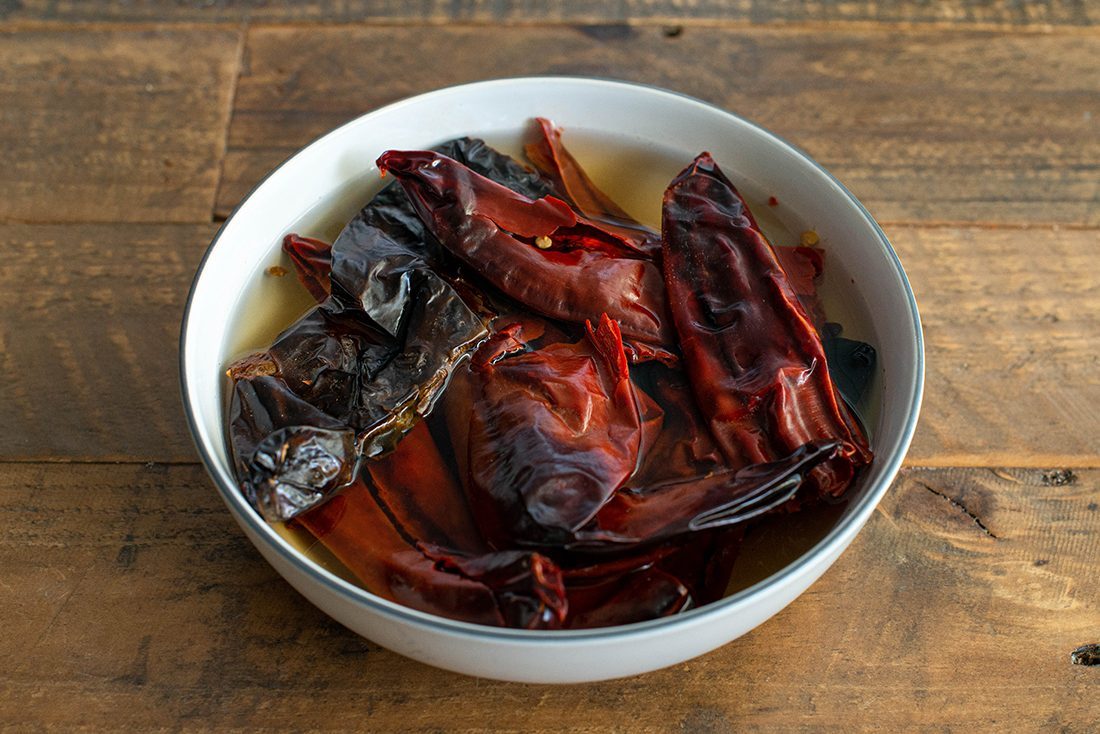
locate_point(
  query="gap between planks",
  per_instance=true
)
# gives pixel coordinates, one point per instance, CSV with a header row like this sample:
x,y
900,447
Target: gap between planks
x,y
234,85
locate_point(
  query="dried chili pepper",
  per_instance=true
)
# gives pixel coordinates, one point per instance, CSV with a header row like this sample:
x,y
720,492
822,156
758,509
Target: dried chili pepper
x,y
289,455
514,588
551,157
492,164
377,353
803,267
553,433
851,362
485,224
338,362
685,506
683,446
386,240
527,587
648,593
704,562
321,356
313,262
758,368
416,485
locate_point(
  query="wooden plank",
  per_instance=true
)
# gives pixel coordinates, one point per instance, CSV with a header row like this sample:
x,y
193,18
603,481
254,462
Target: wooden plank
x,y
132,599
953,12
1012,323
88,342
114,124
92,314
942,127
242,170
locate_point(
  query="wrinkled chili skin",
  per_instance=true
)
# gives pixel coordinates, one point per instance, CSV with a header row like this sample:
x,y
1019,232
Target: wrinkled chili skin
x,y
479,222
289,455
528,587
387,239
323,356
553,433
381,386
377,352
685,506
758,368
514,589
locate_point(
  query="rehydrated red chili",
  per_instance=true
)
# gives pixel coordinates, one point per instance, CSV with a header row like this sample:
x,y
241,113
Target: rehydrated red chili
x,y
757,363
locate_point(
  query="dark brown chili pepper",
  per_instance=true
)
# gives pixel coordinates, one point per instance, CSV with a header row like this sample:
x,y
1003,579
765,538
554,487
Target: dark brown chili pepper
x,y
289,455
321,357
351,377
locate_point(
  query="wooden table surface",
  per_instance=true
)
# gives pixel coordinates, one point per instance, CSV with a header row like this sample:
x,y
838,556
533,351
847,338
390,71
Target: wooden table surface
x,y
970,129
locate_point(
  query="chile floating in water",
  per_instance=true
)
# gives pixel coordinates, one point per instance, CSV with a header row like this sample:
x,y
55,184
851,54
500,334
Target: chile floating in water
x,y
609,405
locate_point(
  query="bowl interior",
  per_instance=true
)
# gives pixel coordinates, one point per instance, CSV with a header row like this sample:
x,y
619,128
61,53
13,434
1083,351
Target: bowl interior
x,y
632,140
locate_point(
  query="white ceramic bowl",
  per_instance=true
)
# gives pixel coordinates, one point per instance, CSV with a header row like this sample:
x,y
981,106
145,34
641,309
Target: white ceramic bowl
x,y
622,125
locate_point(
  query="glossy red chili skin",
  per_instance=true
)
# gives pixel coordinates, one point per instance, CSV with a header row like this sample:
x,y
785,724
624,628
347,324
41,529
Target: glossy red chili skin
x,y
515,589
419,488
491,229
756,361
553,433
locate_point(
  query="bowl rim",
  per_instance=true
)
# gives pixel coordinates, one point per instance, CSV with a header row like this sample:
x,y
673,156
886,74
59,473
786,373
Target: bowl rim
x,y
837,537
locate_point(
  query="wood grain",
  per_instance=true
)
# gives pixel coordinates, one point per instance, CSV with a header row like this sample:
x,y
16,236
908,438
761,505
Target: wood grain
x,y
953,12
92,313
131,601
1012,322
88,342
924,127
132,598
113,124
